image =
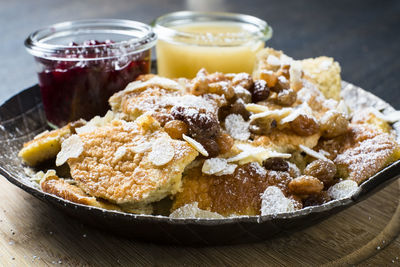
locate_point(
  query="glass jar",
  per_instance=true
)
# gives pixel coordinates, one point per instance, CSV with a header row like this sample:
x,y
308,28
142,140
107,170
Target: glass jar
x,y
82,63
225,42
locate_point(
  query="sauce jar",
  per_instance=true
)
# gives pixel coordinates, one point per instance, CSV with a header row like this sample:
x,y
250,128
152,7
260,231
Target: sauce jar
x,y
80,64
224,42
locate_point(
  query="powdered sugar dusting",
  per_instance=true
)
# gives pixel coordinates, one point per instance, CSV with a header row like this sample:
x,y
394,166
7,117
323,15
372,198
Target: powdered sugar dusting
x,y
237,127
343,189
190,101
218,166
273,201
367,158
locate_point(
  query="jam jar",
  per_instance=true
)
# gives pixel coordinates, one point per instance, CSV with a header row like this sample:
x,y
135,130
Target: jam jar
x,y
80,64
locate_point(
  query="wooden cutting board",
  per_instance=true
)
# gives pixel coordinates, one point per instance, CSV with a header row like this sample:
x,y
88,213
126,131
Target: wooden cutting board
x,y
35,234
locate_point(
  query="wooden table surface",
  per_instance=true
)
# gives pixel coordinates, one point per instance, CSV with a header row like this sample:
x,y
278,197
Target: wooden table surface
x,y
364,36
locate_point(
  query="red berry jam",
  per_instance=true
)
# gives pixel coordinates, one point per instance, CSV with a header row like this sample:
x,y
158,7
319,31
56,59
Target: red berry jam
x,y
79,84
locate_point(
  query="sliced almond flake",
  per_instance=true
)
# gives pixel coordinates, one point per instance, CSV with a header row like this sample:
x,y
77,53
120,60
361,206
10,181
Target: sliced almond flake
x,y
303,109
285,60
72,147
192,210
155,81
121,151
274,154
37,177
255,108
96,122
343,189
142,147
237,127
312,153
230,169
277,114
162,152
343,108
86,128
323,152
273,60
255,154
273,201
390,118
196,145
214,165
218,166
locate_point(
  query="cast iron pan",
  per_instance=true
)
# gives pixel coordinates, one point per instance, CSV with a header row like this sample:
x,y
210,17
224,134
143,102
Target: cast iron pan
x,y
22,117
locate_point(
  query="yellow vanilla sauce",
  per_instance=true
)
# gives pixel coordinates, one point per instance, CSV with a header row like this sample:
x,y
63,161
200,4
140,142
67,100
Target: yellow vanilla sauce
x,y
223,47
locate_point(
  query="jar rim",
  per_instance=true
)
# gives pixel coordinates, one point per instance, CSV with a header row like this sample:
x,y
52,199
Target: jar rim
x,y
142,37
162,25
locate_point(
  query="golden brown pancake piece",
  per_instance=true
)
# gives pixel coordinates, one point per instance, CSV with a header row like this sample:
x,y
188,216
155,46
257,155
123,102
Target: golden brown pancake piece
x,y
44,146
239,193
53,185
286,141
117,162
366,152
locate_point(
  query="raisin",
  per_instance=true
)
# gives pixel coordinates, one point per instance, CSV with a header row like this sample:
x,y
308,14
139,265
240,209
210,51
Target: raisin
x,y
210,145
276,164
305,185
333,124
281,84
286,97
176,128
225,142
324,170
200,124
262,126
304,125
239,108
260,91
318,199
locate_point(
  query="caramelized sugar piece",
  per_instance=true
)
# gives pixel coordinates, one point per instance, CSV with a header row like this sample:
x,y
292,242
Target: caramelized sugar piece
x,y
239,193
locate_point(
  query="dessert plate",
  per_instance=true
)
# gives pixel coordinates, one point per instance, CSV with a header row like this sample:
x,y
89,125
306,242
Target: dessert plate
x,y
22,117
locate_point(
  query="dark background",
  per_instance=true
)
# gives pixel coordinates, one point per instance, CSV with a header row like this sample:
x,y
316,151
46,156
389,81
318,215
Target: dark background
x,y
364,36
